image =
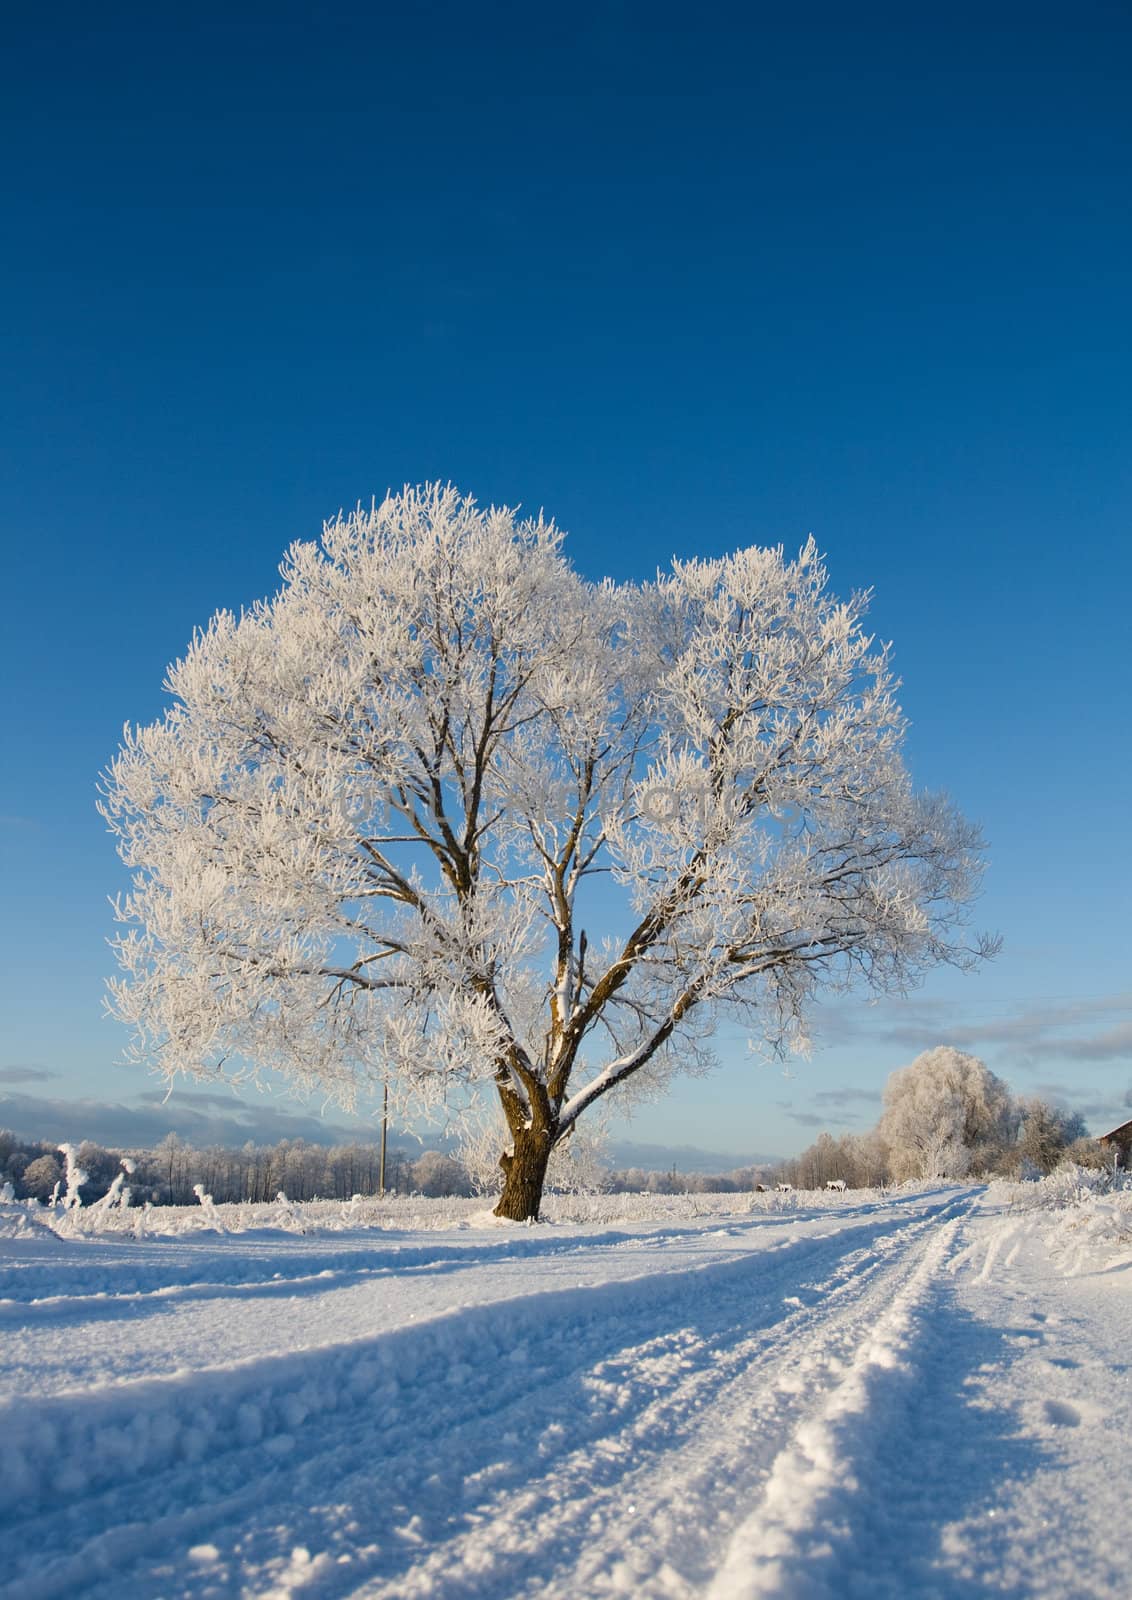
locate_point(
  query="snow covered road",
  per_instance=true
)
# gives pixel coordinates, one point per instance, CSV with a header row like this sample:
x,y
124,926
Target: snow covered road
x,y
898,1397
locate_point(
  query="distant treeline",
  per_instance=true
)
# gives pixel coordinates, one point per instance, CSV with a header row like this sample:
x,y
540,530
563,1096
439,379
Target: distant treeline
x,y
1045,1136
169,1173
638,1180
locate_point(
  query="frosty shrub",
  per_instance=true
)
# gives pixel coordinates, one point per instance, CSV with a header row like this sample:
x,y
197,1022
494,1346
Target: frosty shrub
x,y
1046,1133
208,1207
367,837
1067,1186
75,1176
1086,1152
1089,1210
42,1177
118,1194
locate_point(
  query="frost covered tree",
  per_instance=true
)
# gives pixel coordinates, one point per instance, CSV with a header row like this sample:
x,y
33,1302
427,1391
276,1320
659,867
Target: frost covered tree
x,y
42,1177
443,814
436,1174
945,1114
1046,1132
860,1159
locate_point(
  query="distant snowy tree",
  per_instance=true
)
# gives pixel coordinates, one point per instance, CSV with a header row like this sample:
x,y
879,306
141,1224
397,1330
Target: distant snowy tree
x,y
366,835
861,1160
866,1157
1046,1132
945,1115
436,1174
170,1156
41,1177
1086,1152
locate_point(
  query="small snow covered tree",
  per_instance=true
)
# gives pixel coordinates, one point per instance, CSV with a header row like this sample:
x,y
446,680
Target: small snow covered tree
x,y
42,1177
76,1175
436,1174
945,1114
1047,1131
379,833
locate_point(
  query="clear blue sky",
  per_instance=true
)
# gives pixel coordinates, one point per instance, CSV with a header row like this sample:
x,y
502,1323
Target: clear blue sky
x,y
687,277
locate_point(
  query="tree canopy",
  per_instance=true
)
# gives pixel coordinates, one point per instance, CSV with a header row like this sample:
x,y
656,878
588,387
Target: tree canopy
x,y
378,833
945,1114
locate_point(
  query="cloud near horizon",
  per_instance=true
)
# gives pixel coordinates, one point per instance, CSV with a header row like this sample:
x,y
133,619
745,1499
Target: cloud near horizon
x,y
807,1119
833,1105
26,1074
845,1097
1029,1036
204,1119
200,1119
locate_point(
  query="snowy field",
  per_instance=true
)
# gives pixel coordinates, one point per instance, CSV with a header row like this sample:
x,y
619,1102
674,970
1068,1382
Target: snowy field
x,y
918,1394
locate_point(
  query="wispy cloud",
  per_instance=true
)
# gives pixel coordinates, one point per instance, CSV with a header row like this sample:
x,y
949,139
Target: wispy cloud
x,y
834,1107
1100,1109
26,1074
1108,1046
845,1097
1097,1029
196,1100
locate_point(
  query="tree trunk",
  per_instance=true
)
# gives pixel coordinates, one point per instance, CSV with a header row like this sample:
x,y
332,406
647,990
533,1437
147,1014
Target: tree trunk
x,y
524,1174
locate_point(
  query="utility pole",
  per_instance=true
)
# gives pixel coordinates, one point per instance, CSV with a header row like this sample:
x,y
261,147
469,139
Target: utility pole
x,y
384,1137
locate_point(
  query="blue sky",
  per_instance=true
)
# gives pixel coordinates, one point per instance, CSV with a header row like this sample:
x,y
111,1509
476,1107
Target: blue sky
x,y
688,278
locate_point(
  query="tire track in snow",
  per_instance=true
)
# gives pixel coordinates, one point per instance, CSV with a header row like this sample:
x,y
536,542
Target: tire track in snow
x,y
130,1275
660,1525
787,1548
583,1372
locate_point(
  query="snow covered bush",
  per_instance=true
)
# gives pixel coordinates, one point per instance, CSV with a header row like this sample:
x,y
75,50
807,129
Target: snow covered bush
x,y
1087,1152
402,1213
1089,1212
75,1177
1067,1186
42,1177
208,1207
118,1194
286,1215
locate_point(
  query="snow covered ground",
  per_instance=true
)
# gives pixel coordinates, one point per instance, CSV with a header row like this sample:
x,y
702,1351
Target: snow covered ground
x,y
919,1394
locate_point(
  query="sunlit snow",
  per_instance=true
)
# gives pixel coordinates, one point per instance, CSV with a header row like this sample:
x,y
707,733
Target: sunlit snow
x,y
919,1392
